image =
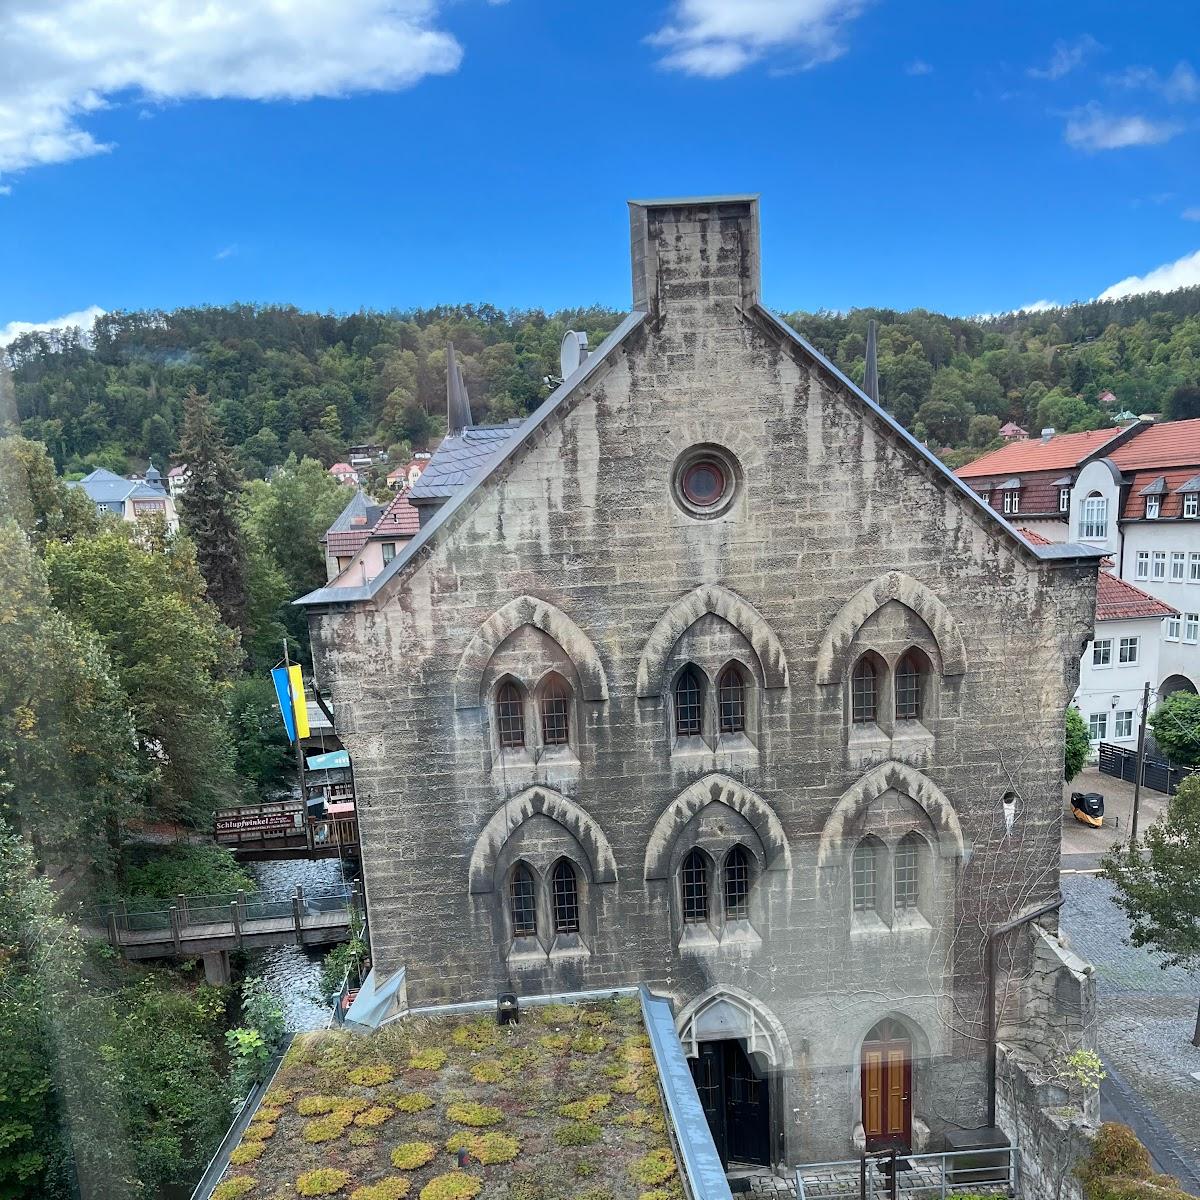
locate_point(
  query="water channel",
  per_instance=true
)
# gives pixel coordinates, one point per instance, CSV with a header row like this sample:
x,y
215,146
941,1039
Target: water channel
x,y
293,972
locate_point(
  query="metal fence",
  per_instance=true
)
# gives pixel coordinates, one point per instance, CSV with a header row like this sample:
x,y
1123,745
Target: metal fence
x,y
1157,775
892,1176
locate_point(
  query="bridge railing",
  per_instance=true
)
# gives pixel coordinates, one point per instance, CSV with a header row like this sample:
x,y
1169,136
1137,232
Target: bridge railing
x,y
168,913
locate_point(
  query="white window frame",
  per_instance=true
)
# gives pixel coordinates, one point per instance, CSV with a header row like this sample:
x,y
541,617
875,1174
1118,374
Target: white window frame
x,y
1194,567
1097,726
1153,507
1142,568
1191,505
1191,627
1064,499
1122,721
1171,629
1178,565
1102,653
1158,569
1127,651
1012,501
1093,517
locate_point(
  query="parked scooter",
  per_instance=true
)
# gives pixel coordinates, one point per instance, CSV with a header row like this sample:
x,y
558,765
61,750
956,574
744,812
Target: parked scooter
x,y
1088,808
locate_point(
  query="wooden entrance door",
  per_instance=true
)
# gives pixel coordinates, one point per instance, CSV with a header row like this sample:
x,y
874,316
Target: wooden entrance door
x,y
736,1100
887,1088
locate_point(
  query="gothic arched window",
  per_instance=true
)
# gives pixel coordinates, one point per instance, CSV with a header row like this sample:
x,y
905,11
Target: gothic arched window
x,y
908,688
553,709
522,902
689,704
510,717
737,885
565,885
864,871
906,875
693,882
864,692
731,700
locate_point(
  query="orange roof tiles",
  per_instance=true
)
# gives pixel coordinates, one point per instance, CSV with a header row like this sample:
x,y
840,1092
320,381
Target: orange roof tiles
x,y
1116,599
399,520
1169,444
1062,450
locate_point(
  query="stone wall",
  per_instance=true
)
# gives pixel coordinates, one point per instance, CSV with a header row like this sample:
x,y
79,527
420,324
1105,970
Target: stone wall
x,y
840,537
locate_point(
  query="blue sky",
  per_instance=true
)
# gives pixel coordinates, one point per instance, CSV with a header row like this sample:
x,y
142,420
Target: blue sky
x,y
962,156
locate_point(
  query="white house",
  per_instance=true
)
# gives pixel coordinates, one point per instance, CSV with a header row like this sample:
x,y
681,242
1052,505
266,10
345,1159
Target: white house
x,y
1141,503
129,499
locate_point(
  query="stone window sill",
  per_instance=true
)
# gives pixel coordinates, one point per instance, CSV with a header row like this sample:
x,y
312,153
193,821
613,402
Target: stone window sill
x,y
868,924
528,950
698,938
569,945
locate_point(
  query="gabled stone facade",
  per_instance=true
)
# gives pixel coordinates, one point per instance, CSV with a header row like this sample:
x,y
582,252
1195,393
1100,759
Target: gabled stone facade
x,y
588,563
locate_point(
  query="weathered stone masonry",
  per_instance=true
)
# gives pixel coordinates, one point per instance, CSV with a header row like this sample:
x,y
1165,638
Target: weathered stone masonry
x,y
575,556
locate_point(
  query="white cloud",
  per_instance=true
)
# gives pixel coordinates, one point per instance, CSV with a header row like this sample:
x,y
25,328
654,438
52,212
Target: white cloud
x,y
1183,272
67,59
715,38
1092,129
1066,57
1180,87
918,66
1191,214
225,252
5,190
84,319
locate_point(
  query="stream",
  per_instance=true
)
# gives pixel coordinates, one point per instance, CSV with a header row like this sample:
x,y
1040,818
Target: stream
x,y
291,972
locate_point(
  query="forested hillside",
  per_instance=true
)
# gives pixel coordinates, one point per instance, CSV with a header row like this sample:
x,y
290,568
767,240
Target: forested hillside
x,y
286,382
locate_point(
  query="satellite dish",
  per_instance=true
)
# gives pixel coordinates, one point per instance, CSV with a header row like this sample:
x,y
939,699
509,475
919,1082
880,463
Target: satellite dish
x,y
573,352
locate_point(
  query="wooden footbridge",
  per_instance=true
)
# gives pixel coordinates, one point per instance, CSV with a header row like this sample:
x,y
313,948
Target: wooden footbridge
x,y
209,927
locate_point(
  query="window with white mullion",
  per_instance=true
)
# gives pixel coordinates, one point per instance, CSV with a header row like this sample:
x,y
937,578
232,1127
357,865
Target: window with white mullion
x,y
1178,562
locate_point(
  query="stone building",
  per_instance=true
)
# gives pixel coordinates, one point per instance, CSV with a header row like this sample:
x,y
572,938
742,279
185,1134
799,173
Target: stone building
x,y
713,678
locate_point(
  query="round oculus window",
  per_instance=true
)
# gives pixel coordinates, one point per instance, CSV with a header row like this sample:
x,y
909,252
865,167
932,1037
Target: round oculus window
x,y
705,481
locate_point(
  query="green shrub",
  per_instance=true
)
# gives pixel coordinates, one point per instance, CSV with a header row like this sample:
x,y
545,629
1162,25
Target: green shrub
x,y
188,870
246,1152
413,1102
653,1168
556,1043
476,1035
468,1112
408,1156
313,1106
494,1147
370,1076
455,1186
259,1131
587,1042
431,1059
558,1014
589,1106
374,1117
234,1186
578,1133
363,1137
328,1127
324,1181
488,1071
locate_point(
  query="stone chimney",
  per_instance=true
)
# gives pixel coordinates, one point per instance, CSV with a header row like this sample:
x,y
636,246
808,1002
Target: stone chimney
x,y
698,251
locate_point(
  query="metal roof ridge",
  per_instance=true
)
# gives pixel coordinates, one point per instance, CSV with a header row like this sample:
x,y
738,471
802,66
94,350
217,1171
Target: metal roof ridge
x,y
501,454
960,485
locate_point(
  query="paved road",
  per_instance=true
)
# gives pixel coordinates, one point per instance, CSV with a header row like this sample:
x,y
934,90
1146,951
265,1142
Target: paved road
x,y
1146,1016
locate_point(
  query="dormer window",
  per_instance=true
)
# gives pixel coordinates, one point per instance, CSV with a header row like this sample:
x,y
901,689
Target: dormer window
x,y
1153,507
1064,499
1012,501
1191,505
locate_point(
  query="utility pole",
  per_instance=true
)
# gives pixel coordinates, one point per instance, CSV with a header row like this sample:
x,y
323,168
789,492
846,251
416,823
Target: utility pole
x,y
1141,764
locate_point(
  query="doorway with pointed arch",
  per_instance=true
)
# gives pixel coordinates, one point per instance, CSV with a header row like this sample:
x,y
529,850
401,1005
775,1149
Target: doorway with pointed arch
x,y
887,1087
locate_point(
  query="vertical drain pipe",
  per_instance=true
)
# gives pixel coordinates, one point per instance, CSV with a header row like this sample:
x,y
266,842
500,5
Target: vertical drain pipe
x,y
997,932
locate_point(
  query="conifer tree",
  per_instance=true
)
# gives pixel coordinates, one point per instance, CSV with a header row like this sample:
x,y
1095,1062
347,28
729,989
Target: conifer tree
x,y
209,510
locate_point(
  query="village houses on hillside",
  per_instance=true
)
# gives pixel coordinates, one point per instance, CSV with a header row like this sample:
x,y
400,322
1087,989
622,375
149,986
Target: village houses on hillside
x,y
709,677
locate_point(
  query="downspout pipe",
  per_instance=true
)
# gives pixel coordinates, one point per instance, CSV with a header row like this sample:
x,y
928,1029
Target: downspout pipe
x,y
993,941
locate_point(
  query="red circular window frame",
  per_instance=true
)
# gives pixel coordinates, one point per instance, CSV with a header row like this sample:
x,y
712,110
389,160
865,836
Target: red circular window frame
x,y
707,498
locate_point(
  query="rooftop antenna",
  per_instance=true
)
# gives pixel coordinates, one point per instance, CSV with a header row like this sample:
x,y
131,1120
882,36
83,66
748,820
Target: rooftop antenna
x,y
573,352
871,378
458,404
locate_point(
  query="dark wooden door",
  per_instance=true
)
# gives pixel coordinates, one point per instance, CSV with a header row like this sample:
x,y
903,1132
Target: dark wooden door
x,y
736,1101
887,1088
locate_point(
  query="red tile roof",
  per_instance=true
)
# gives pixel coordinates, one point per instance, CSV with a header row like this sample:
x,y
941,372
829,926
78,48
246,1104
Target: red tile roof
x,y
1116,599
347,543
1169,444
1062,450
1035,539
400,519
1171,502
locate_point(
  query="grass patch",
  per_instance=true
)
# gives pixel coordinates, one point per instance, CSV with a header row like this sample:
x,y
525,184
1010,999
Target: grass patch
x,y
371,1076
468,1112
413,1102
394,1187
408,1156
234,1186
430,1059
457,1185
324,1181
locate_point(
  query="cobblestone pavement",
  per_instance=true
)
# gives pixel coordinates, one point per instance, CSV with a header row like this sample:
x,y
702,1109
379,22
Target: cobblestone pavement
x,y
1146,1015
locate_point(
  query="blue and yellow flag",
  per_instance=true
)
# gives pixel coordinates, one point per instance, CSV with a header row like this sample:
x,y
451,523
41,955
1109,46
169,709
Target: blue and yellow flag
x,y
293,707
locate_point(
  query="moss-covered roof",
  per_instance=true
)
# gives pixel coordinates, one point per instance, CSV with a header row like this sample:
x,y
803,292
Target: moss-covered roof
x,y
564,1105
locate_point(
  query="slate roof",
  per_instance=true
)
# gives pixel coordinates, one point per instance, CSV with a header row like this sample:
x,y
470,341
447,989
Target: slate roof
x,y
459,459
1062,450
1117,600
105,487
349,533
1168,444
